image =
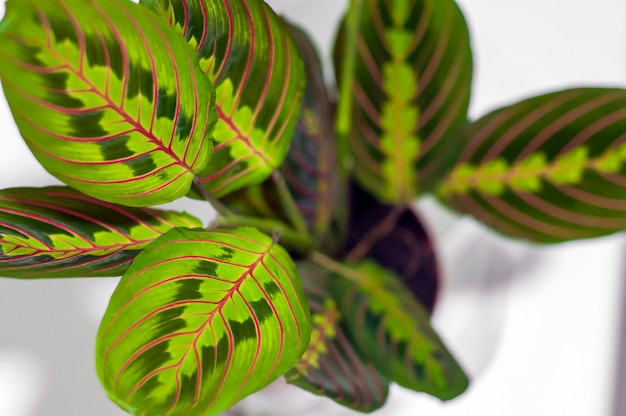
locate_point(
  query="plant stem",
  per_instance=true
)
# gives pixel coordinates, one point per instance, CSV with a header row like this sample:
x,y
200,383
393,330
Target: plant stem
x,y
289,205
346,81
334,266
269,226
215,203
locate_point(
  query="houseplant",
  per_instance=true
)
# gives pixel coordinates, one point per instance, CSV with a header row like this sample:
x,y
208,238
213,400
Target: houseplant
x,y
494,173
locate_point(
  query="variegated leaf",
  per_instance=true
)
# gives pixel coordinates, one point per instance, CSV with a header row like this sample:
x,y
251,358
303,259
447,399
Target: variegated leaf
x,y
108,97
200,320
246,51
547,169
60,232
311,168
331,365
392,329
410,94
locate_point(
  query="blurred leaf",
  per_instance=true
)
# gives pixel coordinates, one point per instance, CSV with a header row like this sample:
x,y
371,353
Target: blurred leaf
x,y
201,320
59,232
395,238
411,94
547,169
246,51
331,366
392,329
311,168
108,98
255,201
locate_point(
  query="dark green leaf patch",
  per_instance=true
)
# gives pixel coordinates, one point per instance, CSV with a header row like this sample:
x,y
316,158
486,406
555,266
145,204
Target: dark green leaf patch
x,y
262,310
87,124
140,81
142,165
116,149
214,357
206,268
243,331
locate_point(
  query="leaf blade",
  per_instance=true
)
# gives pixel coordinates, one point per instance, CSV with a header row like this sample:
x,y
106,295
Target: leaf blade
x,y
331,366
246,51
393,330
59,232
547,169
183,332
411,94
101,102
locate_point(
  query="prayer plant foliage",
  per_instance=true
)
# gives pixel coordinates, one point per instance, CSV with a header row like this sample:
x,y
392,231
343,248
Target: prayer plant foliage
x,y
316,267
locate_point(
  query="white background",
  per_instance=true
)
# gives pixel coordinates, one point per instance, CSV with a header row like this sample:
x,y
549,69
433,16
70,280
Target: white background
x,y
536,327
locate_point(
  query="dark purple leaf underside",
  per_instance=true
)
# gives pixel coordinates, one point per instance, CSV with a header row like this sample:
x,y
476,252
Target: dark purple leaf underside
x,y
395,238
547,169
59,232
331,366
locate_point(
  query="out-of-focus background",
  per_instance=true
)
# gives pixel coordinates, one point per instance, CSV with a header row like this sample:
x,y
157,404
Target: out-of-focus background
x,y
539,328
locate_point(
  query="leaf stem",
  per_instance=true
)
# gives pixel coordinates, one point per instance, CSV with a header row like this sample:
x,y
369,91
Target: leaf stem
x,y
346,80
215,203
289,205
334,266
270,226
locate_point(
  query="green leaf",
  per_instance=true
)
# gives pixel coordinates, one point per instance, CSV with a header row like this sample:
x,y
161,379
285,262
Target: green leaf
x,y
331,365
200,320
246,51
393,330
547,169
59,232
311,168
411,93
108,98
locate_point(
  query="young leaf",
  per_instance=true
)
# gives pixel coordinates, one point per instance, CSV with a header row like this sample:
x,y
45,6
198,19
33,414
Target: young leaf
x,y
108,97
331,366
248,54
394,236
547,169
59,232
393,330
200,320
411,94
